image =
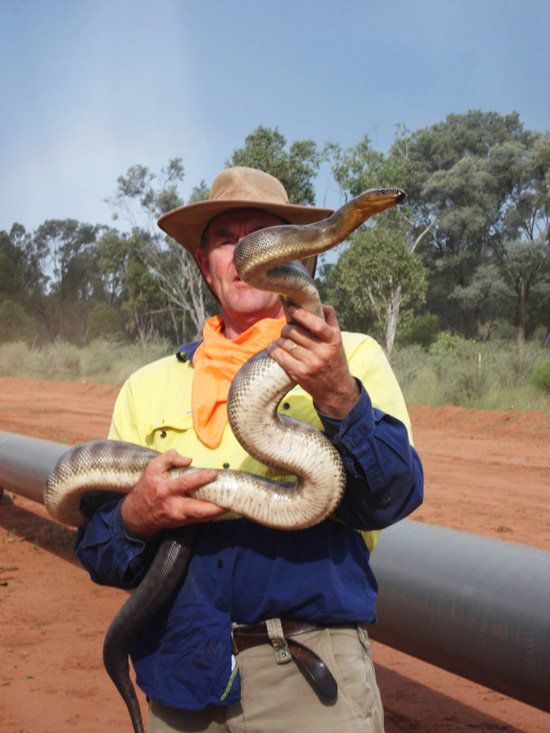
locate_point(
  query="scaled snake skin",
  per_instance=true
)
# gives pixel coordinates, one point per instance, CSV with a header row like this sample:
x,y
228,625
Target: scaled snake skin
x,y
88,474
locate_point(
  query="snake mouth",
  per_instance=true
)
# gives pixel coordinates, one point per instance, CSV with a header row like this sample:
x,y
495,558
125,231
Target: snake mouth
x,y
397,193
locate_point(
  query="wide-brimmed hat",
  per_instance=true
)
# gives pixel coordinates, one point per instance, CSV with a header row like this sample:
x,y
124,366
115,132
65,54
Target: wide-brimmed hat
x,y
235,188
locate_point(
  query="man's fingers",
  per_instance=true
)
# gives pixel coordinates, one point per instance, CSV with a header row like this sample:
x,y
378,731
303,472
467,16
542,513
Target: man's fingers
x,y
286,344
330,316
316,326
199,510
191,480
168,460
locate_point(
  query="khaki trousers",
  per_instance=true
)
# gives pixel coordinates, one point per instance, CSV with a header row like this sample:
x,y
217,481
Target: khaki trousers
x,y
276,698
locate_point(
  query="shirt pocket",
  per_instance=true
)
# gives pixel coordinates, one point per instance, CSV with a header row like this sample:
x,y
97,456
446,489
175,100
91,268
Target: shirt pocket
x,y
172,431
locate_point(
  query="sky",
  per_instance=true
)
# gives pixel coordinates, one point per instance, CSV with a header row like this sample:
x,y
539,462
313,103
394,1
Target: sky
x,y
92,87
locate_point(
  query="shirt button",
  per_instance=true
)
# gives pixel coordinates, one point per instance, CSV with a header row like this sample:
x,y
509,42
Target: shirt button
x,y
286,406
163,433
220,564
226,465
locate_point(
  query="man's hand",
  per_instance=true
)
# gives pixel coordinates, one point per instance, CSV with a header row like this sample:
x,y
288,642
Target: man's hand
x,y
159,501
311,351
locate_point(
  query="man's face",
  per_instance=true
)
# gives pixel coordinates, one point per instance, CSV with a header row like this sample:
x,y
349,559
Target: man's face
x,y
238,300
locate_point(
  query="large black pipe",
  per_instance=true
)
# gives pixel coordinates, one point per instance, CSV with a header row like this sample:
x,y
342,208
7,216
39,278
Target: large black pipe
x,y
26,462
474,606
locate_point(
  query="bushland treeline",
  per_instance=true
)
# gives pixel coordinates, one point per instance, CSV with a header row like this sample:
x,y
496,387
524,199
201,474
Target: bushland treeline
x,y
467,254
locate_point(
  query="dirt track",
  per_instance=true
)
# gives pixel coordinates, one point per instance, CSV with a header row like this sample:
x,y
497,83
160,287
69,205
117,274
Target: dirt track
x,y
486,472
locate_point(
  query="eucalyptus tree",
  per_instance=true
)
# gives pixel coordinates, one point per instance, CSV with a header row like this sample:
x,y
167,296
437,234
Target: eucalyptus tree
x,y
22,285
67,249
483,180
140,198
295,165
378,272
377,278
22,276
521,238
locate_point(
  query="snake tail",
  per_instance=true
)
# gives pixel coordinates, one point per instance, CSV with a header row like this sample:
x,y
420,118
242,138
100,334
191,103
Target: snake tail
x,y
160,581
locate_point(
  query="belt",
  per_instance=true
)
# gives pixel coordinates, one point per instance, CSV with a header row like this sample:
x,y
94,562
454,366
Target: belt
x,y
309,663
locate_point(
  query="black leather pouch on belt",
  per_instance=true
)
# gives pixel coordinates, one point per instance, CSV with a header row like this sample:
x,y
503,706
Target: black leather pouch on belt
x,y
309,663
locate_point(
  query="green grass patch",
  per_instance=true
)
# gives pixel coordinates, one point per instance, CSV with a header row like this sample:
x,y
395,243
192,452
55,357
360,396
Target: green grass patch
x,y
104,361
485,376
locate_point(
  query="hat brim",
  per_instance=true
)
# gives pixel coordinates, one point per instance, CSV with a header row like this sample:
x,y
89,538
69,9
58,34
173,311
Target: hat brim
x,y
187,223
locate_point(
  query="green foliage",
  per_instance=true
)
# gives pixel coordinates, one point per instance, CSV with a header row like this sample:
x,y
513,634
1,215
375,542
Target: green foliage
x,y
15,324
102,360
59,360
503,330
483,181
162,289
199,193
359,168
296,168
378,276
113,362
142,294
68,249
141,190
394,278
492,375
104,321
541,335
422,330
477,214
541,376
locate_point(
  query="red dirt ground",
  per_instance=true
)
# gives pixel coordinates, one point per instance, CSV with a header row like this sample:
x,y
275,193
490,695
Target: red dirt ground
x,y
53,619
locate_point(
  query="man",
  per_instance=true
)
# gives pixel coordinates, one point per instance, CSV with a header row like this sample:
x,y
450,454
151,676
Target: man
x,y
267,623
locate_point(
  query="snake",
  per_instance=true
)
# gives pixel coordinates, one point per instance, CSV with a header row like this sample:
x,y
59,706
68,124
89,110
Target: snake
x,y
94,472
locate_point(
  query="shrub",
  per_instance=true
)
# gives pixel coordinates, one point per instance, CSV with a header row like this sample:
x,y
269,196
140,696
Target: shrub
x,y
423,330
15,359
448,342
541,335
59,360
504,331
541,376
490,376
15,324
104,321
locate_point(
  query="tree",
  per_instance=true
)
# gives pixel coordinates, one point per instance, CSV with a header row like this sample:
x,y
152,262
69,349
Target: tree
x,y
296,168
15,324
482,298
483,181
68,251
141,192
521,237
377,274
142,297
379,271
142,197
22,277
199,193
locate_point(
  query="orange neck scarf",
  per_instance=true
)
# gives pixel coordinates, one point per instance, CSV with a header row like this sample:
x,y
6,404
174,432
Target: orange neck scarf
x,y
216,361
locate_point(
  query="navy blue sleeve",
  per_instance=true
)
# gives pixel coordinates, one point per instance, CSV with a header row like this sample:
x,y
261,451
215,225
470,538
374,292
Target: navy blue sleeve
x,y
385,480
110,553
